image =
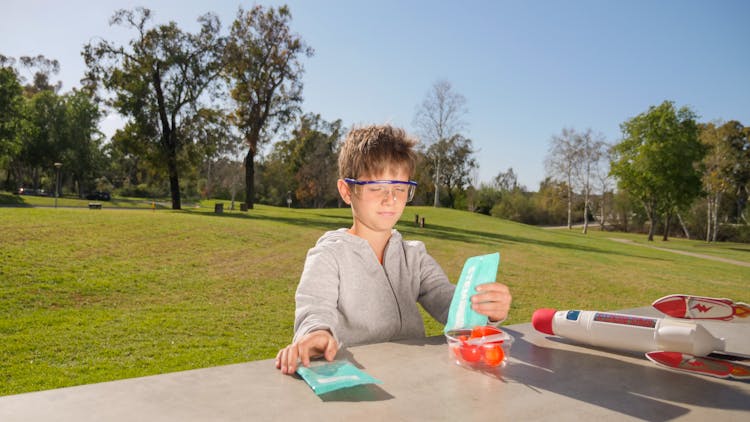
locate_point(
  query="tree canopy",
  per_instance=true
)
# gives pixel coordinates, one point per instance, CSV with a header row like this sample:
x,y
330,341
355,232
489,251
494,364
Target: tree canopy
x,y
159,80
264,70
657,161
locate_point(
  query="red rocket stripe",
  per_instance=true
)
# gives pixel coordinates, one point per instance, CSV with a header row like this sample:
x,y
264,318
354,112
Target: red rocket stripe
x,y
700,365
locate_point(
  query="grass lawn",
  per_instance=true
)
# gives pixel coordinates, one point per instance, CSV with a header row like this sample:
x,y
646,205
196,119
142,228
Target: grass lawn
x,y
96,295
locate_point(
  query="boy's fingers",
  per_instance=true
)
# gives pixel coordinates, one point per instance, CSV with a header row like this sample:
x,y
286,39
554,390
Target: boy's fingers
x,y
331,350
305,355
291,360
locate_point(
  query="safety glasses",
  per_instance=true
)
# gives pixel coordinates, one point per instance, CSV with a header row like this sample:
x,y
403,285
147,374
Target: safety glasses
x,y
399,190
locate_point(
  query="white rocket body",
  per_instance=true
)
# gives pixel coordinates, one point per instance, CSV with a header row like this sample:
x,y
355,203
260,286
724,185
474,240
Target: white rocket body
x,y
628,332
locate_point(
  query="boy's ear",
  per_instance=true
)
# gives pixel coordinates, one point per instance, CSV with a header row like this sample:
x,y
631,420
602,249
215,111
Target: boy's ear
x,y
344,191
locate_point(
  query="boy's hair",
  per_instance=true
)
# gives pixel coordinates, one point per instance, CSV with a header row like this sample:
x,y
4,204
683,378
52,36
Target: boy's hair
x,y
372,150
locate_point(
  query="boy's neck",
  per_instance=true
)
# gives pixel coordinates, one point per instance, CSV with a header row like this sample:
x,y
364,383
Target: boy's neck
x,y
376,240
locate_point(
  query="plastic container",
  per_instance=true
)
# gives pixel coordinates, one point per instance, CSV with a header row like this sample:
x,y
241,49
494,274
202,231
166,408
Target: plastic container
x,y
482,347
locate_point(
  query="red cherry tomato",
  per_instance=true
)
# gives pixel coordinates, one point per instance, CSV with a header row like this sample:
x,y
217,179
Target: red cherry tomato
x,y
484,331
456,348
471,353
493,354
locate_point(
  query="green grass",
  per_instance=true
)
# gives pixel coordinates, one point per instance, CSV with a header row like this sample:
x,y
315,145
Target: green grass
x,y
97,295
10,199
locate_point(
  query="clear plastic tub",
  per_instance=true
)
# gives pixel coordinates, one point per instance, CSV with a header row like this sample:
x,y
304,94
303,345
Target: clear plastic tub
x,y
483,347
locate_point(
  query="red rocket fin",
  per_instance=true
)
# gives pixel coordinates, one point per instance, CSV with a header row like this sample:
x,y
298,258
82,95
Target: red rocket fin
x,y
699,307
700,365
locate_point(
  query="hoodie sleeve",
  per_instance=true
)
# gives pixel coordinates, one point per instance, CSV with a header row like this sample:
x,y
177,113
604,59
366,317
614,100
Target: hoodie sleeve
x,y
435,290
317,294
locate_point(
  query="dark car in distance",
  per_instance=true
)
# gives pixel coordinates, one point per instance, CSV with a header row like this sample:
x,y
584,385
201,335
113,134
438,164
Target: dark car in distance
x,y
99,196
30,191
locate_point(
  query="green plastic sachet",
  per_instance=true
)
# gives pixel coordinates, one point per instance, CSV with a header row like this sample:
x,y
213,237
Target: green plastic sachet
x,y
477,270
330,376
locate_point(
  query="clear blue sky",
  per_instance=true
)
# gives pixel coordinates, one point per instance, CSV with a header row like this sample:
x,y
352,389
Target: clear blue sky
x,y
526,68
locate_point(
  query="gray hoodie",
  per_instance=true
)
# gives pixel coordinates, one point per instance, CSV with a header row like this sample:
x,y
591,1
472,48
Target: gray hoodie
x,y
344,288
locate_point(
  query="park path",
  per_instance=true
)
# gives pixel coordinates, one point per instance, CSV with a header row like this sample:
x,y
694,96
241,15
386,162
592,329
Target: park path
x,y
693,254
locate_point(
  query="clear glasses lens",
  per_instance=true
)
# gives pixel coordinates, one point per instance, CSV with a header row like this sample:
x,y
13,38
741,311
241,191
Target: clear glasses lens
x,y
376,191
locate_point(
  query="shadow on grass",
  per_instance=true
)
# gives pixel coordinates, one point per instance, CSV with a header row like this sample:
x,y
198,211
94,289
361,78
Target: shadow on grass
x,y
7,199
331,222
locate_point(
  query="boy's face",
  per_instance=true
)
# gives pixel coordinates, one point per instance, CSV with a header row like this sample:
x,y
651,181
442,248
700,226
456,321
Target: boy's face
x,y
376,208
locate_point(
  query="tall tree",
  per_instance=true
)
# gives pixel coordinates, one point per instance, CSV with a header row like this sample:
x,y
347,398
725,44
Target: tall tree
x,y
43,68
717,176
506,181
458,165
160,79
439,119
83,159
592,148
657,161
727,170
43,136
11,107
264,69
562,161
316,160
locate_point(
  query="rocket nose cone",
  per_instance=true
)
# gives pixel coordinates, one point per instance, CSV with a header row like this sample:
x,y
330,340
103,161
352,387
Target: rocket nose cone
x,y
542,320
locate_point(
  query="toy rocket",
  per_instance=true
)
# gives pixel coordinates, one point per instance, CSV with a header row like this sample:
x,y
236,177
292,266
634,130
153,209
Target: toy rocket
x,y
678,342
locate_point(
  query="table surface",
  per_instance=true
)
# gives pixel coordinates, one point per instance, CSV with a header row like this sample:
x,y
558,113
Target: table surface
x,y
545,378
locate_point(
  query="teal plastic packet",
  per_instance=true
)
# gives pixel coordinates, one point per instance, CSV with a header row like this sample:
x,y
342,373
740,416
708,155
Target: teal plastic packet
x,y
330,376
477,270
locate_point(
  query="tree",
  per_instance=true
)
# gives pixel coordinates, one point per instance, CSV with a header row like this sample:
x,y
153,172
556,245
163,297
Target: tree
x,y
159,80
439,119
11,107
603,181
316,162
43,136
228,175
83,158
454,165
210,137
591,150
304,166
43,69
657,160
506,181
717,175
264,69
562,160
727,169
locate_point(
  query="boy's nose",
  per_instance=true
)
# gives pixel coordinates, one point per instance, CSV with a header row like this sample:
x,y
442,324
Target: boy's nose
x,y
389,195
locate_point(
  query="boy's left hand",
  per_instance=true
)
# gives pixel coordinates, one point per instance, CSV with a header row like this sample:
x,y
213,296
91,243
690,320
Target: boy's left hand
x,y
493,300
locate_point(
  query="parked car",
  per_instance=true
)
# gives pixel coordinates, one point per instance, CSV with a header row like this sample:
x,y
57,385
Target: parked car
x,y
99,196
30,191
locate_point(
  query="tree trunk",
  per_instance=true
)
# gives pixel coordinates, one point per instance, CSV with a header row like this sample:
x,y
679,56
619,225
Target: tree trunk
x,y
586,209
717,200
667,223
684,227
709,219
170,147
651,212
249,178
436,202
585,217
570,206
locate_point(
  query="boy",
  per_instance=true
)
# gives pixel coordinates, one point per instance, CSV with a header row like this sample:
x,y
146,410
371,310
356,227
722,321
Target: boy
x,y
362,284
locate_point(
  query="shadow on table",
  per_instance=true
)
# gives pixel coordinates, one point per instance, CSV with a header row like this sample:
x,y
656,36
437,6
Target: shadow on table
x,y
631,389
371,392
359,393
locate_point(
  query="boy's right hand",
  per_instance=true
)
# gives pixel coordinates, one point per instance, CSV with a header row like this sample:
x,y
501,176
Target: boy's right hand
x,y
312,344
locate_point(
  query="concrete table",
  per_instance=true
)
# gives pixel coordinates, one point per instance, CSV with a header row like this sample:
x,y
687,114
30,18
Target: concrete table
x,y
546,378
